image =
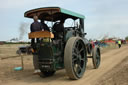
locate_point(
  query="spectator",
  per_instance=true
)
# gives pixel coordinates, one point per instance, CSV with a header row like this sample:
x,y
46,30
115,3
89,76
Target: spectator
x,y
119,43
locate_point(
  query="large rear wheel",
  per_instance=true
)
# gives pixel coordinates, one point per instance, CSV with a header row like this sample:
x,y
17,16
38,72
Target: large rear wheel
x,y
75,58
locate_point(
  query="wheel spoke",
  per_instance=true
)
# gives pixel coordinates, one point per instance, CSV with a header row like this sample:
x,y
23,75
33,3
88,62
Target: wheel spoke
x,y
97,56
74,54
81,50
77,45
74,60
79,69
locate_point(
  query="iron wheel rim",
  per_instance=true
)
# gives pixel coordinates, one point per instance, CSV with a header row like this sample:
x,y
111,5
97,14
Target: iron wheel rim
x,y
78,58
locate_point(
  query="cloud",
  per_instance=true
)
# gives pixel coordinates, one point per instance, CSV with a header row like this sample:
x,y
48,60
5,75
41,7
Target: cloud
x,y
8,4
102,16
111,25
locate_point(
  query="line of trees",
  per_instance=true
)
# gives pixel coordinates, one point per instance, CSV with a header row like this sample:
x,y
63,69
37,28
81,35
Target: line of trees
x,y
126,38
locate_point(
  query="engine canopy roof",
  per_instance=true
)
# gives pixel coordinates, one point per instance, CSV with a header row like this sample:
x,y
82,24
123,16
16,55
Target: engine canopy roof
x,y
53,14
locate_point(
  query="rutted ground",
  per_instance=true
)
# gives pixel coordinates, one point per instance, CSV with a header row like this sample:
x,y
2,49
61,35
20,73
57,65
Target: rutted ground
x,y
117,76
10,77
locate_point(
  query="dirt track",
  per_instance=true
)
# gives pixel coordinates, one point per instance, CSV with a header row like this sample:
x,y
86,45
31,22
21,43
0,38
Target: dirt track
x,y
9,77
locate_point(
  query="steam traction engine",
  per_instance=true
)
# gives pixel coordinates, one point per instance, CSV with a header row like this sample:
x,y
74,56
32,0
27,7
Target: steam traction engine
x,y
62,47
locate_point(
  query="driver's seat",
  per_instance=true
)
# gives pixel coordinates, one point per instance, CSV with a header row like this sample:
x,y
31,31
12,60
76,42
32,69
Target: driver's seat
x,y
58,29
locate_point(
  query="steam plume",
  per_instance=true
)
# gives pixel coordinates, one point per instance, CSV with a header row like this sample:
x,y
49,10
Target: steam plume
x,y
23,30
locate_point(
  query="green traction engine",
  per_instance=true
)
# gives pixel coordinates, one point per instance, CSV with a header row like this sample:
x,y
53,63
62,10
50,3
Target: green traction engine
x,y
62,47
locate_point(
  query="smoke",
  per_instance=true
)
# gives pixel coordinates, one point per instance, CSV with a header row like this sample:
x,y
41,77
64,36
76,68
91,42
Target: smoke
x,y
14,39
23,29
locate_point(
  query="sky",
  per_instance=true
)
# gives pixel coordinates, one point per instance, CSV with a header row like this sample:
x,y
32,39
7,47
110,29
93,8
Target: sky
x,y
103,17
